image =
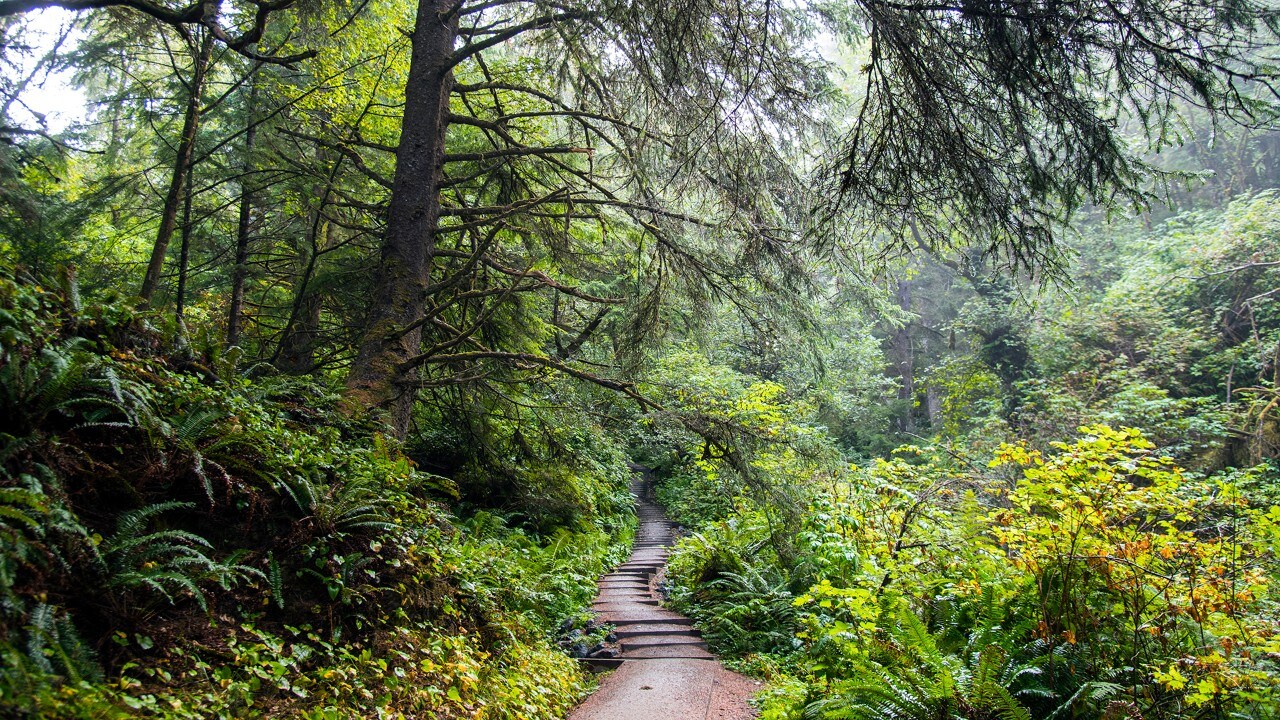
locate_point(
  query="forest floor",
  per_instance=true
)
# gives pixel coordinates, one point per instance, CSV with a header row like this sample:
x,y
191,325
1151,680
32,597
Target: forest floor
x,y
664,670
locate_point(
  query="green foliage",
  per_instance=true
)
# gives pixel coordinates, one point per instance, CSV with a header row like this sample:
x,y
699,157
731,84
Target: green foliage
x,y
1094,579
166,562
741,603
196,521
228,544
1036,562
693,497
738,436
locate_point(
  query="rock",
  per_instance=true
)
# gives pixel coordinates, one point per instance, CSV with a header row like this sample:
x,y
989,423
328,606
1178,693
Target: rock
x,y
579,650
606,652
611,637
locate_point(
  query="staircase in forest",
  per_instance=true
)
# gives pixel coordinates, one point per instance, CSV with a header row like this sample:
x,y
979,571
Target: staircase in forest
x,y
628,597
663,670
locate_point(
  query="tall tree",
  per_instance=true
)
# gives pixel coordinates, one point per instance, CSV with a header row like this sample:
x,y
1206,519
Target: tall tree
x,y
663,125
202,52
988,118
393,335
244,218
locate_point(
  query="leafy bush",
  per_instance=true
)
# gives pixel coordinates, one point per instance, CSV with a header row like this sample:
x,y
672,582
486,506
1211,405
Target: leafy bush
x,y
182,544
1095,578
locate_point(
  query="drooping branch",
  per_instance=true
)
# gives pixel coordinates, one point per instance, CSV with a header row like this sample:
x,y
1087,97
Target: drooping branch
x,y
538,23
519,151
998,120
530,361
203,13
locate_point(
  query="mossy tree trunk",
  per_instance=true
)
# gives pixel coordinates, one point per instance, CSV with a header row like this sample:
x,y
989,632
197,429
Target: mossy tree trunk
x,y
244,220
379,378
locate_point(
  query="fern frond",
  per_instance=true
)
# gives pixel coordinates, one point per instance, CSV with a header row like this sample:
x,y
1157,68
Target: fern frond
x,y
276,580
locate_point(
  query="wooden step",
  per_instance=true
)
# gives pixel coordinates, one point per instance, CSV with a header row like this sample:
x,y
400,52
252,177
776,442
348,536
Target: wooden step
x,y
674,632
662,641
600,664
679,620
669,652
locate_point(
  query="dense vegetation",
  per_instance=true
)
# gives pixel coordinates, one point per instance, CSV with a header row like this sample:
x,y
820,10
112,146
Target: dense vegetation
x,y
219,546
1094,539
328,331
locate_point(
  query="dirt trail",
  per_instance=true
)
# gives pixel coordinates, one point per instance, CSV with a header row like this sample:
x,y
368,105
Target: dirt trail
x,y
664,671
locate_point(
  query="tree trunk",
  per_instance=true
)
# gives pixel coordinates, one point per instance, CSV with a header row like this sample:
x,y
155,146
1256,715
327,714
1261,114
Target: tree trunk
x,y
902,351
301,336
181,169
298,347
377,376
295,352
184,256
933,405
241,270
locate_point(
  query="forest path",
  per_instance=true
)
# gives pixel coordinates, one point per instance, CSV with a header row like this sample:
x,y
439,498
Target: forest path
x,y
664,671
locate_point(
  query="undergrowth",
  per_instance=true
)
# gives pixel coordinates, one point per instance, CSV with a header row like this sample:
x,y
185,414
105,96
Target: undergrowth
x,y
1094,578
180,541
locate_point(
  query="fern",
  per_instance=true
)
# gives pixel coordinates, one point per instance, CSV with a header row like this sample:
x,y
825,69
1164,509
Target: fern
x,y
197,433
753,612
275,579
166,562
22,514
301,491
353,508
886,697
54,646
37,532
1094,693
986,692
71,381
339,508
21,508
924,683
193,425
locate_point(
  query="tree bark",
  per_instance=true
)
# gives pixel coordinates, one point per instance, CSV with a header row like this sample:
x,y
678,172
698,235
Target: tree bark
x,y
181,169
902,350
301,337
298,347
243,225
184,255
390,337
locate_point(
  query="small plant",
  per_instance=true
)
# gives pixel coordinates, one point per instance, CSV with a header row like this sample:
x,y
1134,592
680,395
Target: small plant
x,y
168,563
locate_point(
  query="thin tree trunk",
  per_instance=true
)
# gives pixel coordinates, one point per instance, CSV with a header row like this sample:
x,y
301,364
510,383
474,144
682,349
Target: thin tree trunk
x,y
295,351
181,169
112,156
376,375
301,336
933,405
241,270
298,348
184,256
902,349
